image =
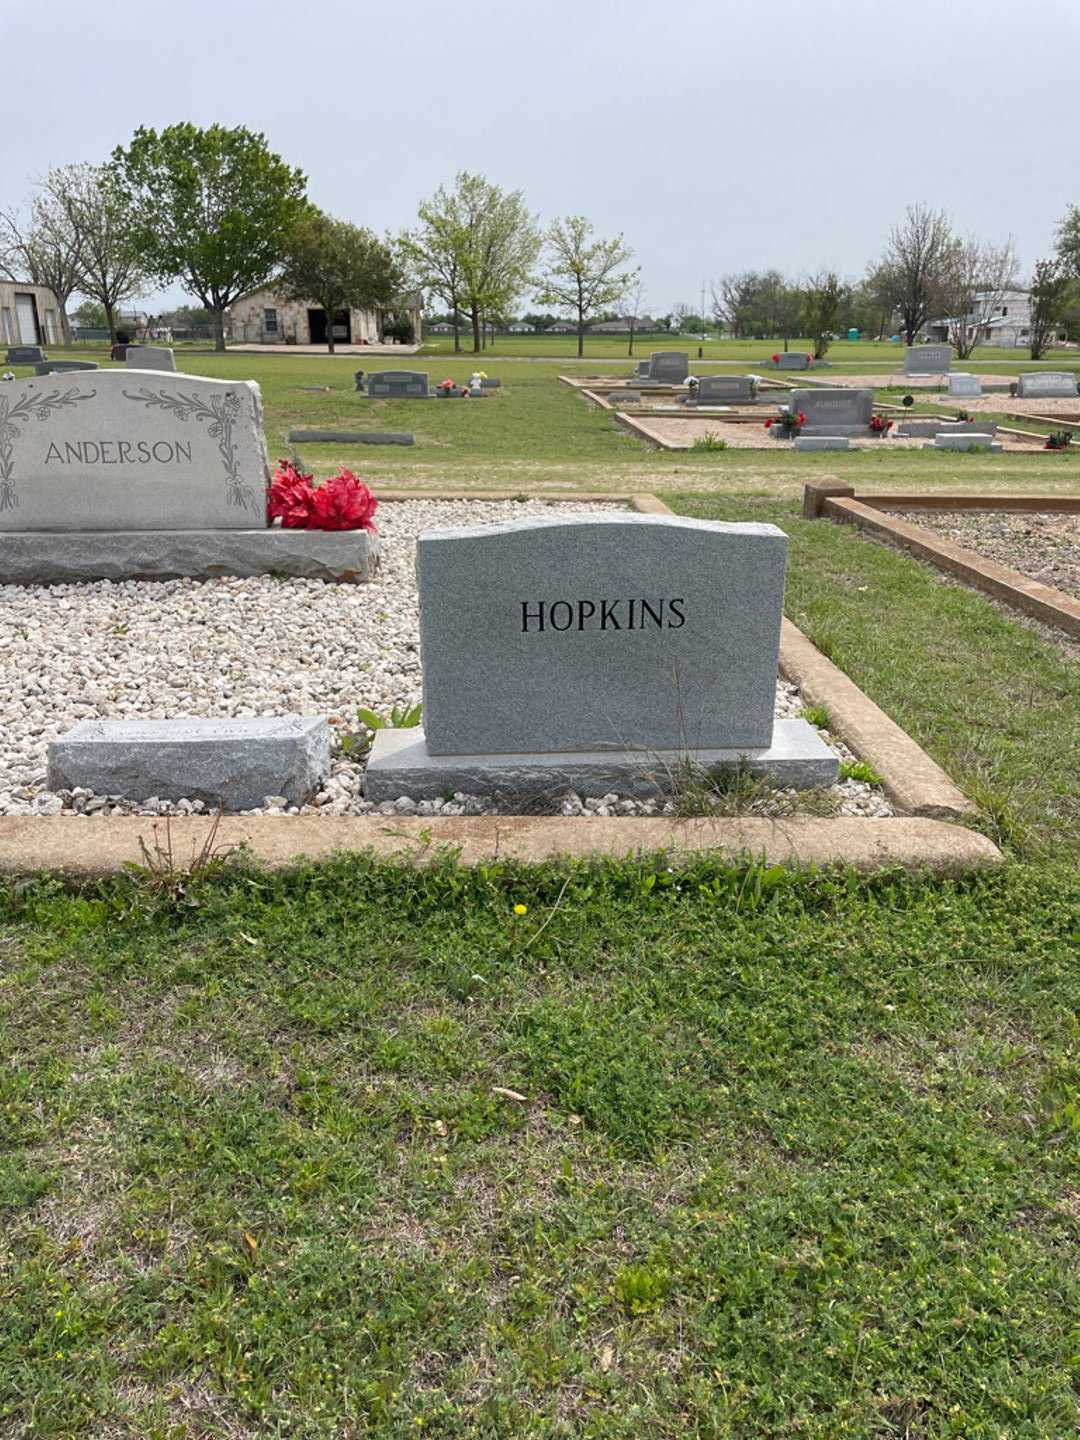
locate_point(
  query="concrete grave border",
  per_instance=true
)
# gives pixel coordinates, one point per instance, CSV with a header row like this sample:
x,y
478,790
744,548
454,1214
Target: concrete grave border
x,y
924,837
1012,587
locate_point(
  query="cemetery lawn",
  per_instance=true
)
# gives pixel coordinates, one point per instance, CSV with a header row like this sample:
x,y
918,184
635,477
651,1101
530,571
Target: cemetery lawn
x,y
721,1152
537,432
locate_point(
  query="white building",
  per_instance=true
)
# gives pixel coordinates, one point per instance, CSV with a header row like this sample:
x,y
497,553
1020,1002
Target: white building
x,y
999,318
264,317
29,314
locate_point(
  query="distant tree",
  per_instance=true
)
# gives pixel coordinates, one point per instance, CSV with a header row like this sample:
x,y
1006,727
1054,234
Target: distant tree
x,y
110,269
540,321
976,276
1067,237
1050,285
211,208
821,298
873,310
47,250
913,266
637,302
90,315
433,255
342,266
583,274
732,302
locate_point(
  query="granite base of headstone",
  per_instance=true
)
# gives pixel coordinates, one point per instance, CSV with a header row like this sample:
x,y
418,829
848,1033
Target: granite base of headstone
x,y
822,442
983,441
29,557
920,429
489,383
400,763
234,764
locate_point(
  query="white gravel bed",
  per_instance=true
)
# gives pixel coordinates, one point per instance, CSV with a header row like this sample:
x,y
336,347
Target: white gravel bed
x,y
234,648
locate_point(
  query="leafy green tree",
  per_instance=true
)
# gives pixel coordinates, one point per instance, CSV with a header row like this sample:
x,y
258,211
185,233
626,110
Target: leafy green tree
x,y
583,274
342,266
211,208
111,270
433,254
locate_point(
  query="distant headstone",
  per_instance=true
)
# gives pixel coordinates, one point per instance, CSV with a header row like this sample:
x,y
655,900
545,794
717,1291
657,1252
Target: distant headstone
x,y
150,357
840,407
668,367
572,650
793,360
962,384
398,385
624,397
232,763
642,369
62,367
119,450
725,389
822,442
927,359
24,355
489,383
1047,384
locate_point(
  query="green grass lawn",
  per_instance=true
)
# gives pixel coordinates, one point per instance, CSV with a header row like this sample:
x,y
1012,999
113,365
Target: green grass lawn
x,y
538,432
717,1151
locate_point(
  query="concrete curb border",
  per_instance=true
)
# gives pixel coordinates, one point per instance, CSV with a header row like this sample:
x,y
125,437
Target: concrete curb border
x,y
1043,602
94,848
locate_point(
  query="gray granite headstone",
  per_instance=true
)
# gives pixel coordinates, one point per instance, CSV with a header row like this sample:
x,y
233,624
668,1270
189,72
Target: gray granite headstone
x,y
128,450
927,359
642,370
920,428
971,441
669,367
725,389
841,406
150,357
624,397
398,384
232,763
613,632
793,360
1048,384
24,355
962,384
62,367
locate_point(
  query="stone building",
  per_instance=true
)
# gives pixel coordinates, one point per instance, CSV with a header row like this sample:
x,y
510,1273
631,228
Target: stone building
x,y
263,317
29,314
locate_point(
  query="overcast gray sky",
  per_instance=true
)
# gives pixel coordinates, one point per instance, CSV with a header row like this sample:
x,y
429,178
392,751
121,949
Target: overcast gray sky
x,y
717,135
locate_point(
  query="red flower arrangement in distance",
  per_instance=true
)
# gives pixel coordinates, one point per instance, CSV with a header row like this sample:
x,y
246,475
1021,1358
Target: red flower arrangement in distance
x,y
879,425
341,503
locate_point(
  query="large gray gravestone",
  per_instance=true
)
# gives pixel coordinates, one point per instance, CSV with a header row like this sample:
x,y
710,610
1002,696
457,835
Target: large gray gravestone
x,y
839,407
232,763
611,631
124,450
1049,385
606,650
669,367
398,385
927,359
793,360
24,355
150,357
725,389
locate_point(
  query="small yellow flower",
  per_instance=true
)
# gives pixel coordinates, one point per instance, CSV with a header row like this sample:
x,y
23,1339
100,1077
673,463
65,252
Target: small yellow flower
x,y
521,909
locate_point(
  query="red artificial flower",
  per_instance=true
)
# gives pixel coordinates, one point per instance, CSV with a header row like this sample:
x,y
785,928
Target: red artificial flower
x,y
776,359
768,424
809,357
291,497
802,417
342,503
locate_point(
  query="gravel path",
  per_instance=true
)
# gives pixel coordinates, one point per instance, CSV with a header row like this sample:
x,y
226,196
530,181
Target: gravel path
x,y
1045,547
233,648
681,434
